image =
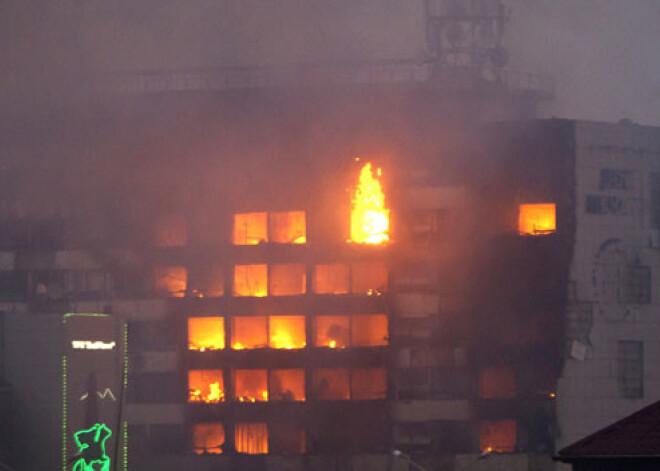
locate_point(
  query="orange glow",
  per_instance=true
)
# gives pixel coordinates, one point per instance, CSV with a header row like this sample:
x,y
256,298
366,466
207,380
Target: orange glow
x,y
288,227
331,331
370,219
287,385
500,436
369,330
248,332
208,438
331,279
206,333
172,280
171,231
331,384
497,382
369,278
537,219
250,228
206,386
287,332
287,279
251,439
368,383
250,385
251,280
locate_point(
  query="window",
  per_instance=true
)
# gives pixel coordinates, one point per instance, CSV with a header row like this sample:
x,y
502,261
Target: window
x,y
206,333
171,231
288,439
249,332
287,280
631,369
251,438
208,438
251,280
250,228
207,282
368,277
537,219
250,385
331,384
637,286
368,383
206,386
283,227
171,281
331,279
369,330
287,385
497,382
500,435
655,200
287,332
331,331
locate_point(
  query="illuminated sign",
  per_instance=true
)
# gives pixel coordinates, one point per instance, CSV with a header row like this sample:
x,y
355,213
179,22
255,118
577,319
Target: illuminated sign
x,y
91,448
92,345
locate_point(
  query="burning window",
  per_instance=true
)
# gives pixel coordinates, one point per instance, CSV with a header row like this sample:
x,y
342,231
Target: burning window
x,y
206,386
287,385
249,332
500,436
331,384
369,277
288,227
206,333
171,280
250,228
537,219
287,332
331,331
171,231
331,279
497,382
369,330
370,219
287,279
250,385
207,282
250,280
251,439
208,438
368,383
288,439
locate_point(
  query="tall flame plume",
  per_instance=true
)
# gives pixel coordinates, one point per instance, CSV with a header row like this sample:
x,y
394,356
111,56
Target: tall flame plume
x,y
370,219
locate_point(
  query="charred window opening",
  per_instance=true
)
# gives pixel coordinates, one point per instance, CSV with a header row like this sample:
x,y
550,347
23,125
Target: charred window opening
x,y
171,231
287,279
331,384
287,385
368,384
500,435
251,280
332,331
250,385
369,277
288,227
497,382
340,384
287,332
287,439
331,279
537,219
206,333
171,281
251,438
250,228
631,369
208,282
249,332
208,438
369,330
206,386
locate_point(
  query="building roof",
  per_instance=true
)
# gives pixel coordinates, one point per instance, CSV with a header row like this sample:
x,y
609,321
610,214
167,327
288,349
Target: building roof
x,y
637,435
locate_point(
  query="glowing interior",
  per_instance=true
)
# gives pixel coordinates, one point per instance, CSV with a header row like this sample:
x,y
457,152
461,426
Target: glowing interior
x,y
251,438
206,386
369,330
331,279
331,331
171,231
369,277
208,283
368,383
208,438
500,436
537,219
497,382
288,227
287,385
206,333
287,279
249,332
251,280
250,228
370,218
250,385
172,280
287,332
331,384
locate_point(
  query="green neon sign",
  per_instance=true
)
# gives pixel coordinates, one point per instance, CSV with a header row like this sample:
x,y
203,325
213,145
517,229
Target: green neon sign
x,y
91,448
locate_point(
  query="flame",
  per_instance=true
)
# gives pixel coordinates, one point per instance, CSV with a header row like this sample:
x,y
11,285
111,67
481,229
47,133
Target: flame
x,y
332,344
370,220
216,394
